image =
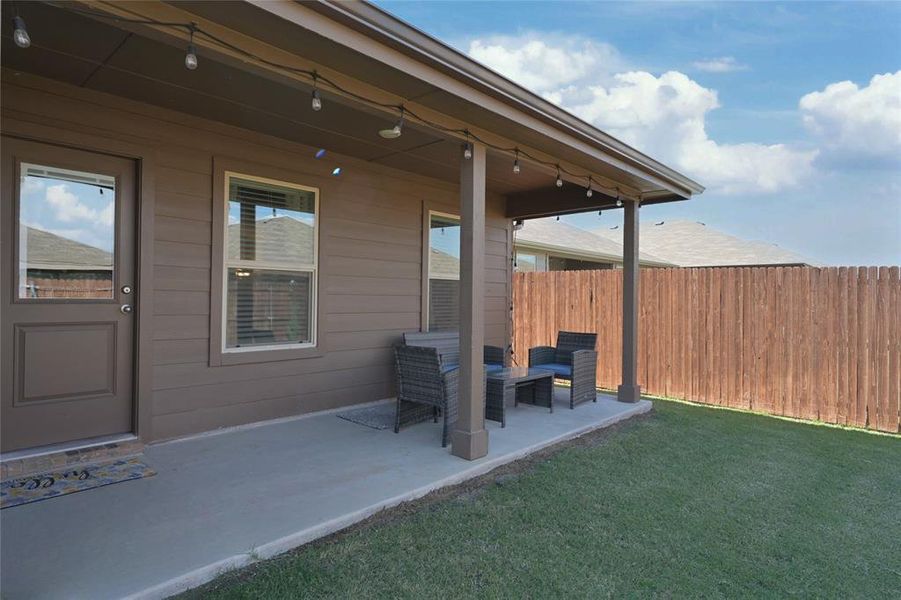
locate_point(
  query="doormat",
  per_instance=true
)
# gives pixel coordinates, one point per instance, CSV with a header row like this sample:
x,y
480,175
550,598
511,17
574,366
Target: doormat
x,y
69,480
380,416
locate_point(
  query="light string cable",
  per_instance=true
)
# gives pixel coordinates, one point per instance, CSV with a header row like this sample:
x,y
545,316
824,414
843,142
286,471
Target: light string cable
x,y
318,80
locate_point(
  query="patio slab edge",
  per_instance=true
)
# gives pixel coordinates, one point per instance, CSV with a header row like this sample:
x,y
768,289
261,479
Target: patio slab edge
x,y
198,577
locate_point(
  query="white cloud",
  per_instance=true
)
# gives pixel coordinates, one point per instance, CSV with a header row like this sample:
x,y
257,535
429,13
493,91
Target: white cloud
x,y
723,64
68,208
544,63
857,125
663,116
31,185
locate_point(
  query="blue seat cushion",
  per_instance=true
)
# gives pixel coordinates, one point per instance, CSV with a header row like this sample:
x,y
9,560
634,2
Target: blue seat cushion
x,y
562,371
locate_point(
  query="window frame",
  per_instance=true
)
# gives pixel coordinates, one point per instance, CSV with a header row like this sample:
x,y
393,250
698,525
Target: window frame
x,y
220,354
427,261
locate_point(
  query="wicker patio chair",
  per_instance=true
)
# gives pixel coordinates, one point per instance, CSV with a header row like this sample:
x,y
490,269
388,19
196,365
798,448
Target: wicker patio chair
x,y
448,345
423,390
573,359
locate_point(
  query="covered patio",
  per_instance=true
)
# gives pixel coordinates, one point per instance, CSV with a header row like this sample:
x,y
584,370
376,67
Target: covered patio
x,y
408,128
221,501
365,127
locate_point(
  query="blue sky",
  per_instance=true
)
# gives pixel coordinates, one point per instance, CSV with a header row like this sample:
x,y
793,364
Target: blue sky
x,y
70,209
773,106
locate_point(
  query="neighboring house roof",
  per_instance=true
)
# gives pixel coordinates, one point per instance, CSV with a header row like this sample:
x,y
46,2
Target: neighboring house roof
x,y
556,236
52,252
278,239
443,266
694,244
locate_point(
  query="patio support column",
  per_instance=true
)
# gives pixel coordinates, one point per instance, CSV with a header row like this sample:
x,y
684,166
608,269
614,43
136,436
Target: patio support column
x,y
629,390
470,439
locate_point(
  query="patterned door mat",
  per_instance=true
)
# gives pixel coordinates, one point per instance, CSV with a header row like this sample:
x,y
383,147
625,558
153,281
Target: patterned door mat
x,y
71,479
380,416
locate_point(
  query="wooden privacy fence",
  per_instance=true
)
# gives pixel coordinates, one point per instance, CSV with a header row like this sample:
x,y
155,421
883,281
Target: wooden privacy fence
x,y
819,344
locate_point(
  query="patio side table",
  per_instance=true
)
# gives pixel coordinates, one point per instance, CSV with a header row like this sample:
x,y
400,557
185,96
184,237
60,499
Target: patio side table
x,y
513,385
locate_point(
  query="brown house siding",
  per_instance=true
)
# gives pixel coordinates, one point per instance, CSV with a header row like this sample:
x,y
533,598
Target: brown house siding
x,y
371,221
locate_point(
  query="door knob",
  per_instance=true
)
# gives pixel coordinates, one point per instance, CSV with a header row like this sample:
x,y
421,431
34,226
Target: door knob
x,y
126,309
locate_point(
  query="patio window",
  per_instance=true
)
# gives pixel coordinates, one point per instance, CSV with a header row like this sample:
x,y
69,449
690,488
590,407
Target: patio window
x,y
444,272
270,264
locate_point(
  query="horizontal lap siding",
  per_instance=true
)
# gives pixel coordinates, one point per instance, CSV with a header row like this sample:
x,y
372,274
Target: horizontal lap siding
x,y
370,263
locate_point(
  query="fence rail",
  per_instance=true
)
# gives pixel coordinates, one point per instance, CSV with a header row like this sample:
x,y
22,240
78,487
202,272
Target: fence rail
x,y
812,343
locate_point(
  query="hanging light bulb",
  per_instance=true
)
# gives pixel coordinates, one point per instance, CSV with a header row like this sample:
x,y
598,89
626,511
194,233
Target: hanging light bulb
x,y
619,202
394,132
316,101
467,150
20,34
558,217
588,191
191,55
516,168
559,180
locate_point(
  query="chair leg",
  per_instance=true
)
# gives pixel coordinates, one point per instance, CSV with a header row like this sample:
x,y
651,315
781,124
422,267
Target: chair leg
x,y
397,418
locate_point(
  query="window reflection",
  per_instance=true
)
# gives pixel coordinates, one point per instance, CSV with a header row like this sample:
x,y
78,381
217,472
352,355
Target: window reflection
x,y
444,272
66,233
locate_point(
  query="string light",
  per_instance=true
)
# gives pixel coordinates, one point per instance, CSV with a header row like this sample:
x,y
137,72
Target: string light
x,y
20,34
23,40
191,56
396,131
619,202
316,102
467,150
588,191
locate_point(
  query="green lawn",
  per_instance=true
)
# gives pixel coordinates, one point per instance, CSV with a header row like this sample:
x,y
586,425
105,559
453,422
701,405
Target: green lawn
x,y
690,502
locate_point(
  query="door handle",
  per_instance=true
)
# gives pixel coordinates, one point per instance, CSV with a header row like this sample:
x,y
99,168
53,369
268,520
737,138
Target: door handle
x,y
126,309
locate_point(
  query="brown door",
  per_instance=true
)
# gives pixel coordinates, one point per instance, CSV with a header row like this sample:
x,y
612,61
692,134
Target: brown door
x,y
67,228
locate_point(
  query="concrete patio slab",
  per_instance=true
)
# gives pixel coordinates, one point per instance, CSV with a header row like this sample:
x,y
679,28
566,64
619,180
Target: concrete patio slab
x,y
222,501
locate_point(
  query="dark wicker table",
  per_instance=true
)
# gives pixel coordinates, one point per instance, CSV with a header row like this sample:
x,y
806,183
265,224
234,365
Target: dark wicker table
x,y
514,385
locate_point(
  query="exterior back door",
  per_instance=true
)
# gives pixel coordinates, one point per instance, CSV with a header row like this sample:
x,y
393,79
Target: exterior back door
x,y
68,315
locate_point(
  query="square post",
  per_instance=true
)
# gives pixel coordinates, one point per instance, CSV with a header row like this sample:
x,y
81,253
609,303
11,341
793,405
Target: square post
x,y
470,439
629,390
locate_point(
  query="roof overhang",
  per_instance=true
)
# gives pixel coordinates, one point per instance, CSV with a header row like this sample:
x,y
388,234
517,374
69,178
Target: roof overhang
x,y
578,253
370,54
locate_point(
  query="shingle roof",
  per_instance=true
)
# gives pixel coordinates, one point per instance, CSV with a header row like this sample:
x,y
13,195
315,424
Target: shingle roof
x,y
47,250
442,265
278,239
693,244
551,234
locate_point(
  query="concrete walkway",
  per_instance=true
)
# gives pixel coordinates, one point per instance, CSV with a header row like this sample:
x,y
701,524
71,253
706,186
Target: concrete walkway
x,y
221,501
